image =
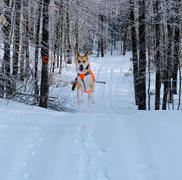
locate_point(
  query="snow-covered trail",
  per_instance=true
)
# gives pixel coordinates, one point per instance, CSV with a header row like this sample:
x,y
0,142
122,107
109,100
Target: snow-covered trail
x,y
107,141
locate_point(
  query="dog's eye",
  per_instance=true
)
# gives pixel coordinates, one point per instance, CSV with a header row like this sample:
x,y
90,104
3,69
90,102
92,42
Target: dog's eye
x,y
84,61
78,61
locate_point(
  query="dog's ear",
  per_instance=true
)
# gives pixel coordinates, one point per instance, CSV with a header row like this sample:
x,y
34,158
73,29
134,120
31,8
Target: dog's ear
x,y
77,54
86,55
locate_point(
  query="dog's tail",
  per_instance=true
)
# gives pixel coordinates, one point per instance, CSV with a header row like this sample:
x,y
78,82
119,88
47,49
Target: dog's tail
x,y
74,84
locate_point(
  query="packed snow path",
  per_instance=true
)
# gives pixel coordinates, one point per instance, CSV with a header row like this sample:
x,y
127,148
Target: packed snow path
x,y
107,141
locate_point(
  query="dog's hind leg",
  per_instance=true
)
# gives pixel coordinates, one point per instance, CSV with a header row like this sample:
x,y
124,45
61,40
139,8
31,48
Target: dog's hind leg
x,y
91,99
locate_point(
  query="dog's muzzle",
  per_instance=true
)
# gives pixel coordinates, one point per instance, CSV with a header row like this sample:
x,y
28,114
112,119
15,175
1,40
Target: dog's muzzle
x,y
81,68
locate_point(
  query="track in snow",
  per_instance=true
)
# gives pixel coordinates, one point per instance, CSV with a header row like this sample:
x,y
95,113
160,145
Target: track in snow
x,y
90,154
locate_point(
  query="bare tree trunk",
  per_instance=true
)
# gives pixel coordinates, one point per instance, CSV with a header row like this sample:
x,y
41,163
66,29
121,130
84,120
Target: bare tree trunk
x,y
180,53
68,43
31,21
7,43
179,99
98,49
53,63
2,79
77,32
2,70
176,48
44,91
164,57
111,43
125,40
77,37
58,45
37,46
176,60
142,56
134,52
61,37
23,41
27,63
102,36
149,79
157,57
168,71
16,41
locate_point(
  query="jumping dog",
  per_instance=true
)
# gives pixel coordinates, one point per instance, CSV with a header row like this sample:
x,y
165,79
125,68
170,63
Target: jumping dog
x,y
85,79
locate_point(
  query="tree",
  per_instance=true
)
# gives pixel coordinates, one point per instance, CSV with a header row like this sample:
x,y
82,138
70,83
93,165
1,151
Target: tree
x,y
68,49
7,44
37,46
176,46
157,56
142,57
168,64
102,19
16,40
27,59
44,91
134,51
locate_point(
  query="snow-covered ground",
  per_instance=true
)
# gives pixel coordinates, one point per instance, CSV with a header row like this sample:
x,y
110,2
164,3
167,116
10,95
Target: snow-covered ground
x,y
110,140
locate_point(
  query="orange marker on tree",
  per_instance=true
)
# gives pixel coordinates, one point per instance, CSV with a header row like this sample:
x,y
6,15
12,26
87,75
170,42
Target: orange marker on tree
x,y
46,59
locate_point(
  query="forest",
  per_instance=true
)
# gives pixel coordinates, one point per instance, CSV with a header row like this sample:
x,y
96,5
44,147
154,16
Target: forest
x,y
40,37
90,89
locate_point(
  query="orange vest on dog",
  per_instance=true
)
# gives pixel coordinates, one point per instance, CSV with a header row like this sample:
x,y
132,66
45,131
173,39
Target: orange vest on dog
x,y
82,76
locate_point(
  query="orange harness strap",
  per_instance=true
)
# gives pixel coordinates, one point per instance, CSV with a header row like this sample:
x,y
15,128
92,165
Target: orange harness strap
x,y
92,74
87,92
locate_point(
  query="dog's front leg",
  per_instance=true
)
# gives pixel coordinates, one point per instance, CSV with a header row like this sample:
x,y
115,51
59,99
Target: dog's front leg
x,y
79,94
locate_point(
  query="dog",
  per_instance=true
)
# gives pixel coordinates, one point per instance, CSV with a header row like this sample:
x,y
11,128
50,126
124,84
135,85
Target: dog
x,y
85,79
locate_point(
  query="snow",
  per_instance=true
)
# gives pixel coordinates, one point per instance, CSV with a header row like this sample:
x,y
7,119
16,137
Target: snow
x,y
110,140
